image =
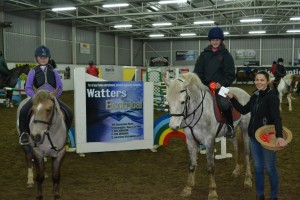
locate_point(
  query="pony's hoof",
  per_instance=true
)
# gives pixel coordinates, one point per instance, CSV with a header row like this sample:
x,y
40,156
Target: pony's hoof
x,y
11,105
248,184
30,185
213,196
187,191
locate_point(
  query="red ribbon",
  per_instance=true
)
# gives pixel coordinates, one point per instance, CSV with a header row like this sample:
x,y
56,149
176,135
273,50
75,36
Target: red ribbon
x,y
212,87
266,136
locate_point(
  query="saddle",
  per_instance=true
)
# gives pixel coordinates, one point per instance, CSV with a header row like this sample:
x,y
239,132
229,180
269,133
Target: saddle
x,y
219,117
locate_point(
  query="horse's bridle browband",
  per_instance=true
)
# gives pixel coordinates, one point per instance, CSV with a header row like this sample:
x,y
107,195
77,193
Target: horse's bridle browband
x,y
49,123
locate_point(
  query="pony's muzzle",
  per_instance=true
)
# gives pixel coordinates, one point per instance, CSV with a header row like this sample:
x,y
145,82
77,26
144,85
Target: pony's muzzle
x,y
37,138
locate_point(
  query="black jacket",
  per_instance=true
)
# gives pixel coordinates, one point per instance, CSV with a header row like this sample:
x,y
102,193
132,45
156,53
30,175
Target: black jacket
x,y
264,108
279,71
215,66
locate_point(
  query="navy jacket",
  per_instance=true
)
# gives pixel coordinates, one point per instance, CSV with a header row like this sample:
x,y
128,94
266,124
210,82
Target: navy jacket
x,y
215,66
264,108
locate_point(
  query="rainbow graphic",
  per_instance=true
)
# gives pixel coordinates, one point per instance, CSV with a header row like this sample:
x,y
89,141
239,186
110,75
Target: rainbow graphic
x,y
163,133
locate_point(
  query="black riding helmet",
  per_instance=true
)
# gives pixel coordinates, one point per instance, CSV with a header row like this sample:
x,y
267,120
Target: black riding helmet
x,y
42,51
280,60
215,33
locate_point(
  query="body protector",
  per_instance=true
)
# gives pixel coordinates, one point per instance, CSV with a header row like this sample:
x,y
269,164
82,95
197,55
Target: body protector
x,y
42,77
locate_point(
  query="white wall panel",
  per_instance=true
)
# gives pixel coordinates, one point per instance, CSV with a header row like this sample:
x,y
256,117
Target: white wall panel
x,y
57,31
61,51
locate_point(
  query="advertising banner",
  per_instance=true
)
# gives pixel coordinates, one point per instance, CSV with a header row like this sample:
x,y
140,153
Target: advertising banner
x,y
114,111
185,55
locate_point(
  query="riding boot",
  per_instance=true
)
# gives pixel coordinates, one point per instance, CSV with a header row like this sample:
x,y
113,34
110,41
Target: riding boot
x,y
260,197
24,138
230,128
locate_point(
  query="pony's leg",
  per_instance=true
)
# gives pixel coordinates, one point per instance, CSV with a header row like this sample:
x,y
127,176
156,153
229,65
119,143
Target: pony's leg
x,y
192,148
9,102
237,146
248,175
28,159
39,165
212,195
56,164
289,98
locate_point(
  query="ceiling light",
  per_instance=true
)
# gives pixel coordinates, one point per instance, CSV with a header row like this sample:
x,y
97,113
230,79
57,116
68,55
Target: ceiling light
x,y
162,24
293,31
156,35
251,20
123,26
172,1
295,18
187,34
256,32
226,33
115,5
204,22
63,9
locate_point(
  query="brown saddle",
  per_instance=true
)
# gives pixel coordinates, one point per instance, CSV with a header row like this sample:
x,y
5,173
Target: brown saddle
x,y
236,115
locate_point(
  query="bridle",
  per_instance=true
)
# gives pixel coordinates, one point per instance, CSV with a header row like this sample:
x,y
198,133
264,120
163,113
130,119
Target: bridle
x,y
49,124
185,113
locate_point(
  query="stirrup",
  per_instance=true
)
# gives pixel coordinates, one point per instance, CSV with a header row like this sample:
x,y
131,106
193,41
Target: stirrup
x,y
230,132
24,139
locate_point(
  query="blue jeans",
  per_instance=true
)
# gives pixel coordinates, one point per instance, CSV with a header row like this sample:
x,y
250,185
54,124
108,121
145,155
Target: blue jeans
x,y
261,157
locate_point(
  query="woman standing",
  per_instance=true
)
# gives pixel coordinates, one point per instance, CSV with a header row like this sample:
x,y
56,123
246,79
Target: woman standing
x,y
215,65
264,108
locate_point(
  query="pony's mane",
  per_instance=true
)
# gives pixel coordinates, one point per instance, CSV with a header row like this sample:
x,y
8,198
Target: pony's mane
x,y
192,83
41,96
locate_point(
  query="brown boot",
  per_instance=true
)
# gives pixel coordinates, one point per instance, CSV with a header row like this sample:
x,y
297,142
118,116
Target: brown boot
x,y
260,197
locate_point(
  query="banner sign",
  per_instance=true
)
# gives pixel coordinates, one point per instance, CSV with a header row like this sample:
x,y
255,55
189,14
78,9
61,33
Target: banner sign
x,y
85,48
114,111
245,54
289,70
185,55
159,61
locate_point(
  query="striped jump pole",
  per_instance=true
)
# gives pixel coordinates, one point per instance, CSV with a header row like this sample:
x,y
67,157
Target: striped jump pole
x,y
14,89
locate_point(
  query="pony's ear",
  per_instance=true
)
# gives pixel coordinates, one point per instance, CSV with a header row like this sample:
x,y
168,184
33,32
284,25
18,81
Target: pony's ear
x,y
164,79
34,89
53,93
187,79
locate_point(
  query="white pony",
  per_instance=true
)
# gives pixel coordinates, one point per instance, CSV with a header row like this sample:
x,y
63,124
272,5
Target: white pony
x,y
285,87
191,108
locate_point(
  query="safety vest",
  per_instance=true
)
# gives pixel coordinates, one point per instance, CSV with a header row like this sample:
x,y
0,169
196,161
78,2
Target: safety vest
x,y
42,77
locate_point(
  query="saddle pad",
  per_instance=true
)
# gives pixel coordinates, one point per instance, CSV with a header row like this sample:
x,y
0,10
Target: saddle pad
x,y
219,117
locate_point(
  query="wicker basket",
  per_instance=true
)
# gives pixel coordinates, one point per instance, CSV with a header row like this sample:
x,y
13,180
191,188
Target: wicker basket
x,y
266,137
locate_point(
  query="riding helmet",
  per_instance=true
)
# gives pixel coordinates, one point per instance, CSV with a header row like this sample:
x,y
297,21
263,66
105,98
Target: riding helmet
x,y
280,60
216,33
42,51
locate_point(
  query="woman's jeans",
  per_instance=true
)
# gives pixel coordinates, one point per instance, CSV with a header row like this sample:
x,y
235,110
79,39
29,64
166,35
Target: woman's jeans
x,y
261,157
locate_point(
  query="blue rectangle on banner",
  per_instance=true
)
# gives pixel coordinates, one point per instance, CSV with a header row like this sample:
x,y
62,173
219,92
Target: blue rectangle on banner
x,y
114,111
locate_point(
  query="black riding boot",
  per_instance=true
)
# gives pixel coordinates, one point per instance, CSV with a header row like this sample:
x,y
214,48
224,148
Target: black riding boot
x,y
230,128
260,197
24,138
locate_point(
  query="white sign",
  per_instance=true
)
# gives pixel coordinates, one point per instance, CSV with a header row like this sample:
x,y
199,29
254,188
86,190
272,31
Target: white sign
x,y
85,48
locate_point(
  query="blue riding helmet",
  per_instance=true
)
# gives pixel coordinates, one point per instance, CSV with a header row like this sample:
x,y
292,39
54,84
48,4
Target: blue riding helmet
x,y
42,51
216,33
